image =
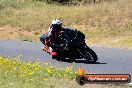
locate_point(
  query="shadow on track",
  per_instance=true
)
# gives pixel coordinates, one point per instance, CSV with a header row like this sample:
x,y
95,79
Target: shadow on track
x,y
80,61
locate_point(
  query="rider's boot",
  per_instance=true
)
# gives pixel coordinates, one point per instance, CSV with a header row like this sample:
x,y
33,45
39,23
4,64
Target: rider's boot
x,y
43,48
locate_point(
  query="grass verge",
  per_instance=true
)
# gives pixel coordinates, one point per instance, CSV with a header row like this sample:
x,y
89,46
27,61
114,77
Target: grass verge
x,y
15,73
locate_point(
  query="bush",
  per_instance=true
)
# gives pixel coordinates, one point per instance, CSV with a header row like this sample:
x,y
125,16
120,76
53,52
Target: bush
x,y
73,2
20,3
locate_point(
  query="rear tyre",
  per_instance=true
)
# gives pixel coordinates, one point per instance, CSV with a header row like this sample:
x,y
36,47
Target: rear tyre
x,y
58,58
72,60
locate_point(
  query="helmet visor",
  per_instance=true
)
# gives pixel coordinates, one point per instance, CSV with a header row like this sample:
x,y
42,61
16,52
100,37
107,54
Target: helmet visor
x,y
57,26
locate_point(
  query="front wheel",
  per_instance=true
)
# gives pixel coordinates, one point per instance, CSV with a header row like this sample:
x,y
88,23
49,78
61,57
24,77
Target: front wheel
x,y
92,57
89,55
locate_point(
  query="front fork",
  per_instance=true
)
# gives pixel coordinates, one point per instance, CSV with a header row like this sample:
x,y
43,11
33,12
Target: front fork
x,y
83,50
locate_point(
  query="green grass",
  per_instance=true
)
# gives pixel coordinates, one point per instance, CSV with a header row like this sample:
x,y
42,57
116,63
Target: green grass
x,y
102,23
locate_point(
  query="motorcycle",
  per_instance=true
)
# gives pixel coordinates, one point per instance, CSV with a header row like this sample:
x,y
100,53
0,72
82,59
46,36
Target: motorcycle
x,y
72,51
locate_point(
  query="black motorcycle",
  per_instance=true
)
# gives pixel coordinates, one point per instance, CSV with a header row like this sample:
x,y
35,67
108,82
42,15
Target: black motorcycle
x,y
73,48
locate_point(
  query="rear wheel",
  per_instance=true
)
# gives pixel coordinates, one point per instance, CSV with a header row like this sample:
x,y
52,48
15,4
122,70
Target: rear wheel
x,y
72,60
58,58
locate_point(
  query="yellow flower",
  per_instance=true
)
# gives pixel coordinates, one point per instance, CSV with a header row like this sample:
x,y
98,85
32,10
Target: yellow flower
x,y
60,75
45,79
67,79
30,73
74,79
31,79
71,72
46,63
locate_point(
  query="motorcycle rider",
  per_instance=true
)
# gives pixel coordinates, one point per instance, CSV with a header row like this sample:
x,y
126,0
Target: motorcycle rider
x,y
54,41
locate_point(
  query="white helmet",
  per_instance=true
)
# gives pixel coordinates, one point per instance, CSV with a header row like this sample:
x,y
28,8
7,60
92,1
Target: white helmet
x,y
56,21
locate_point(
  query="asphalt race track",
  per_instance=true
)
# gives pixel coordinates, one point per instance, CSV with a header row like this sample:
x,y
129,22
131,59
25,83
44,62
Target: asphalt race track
x,y
111,60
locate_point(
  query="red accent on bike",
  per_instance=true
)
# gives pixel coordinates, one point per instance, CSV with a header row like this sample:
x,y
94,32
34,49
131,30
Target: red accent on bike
x,y
53,53
47,42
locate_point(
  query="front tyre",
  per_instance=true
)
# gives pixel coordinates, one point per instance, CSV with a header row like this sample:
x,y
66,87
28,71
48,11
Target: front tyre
x,y
90,56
